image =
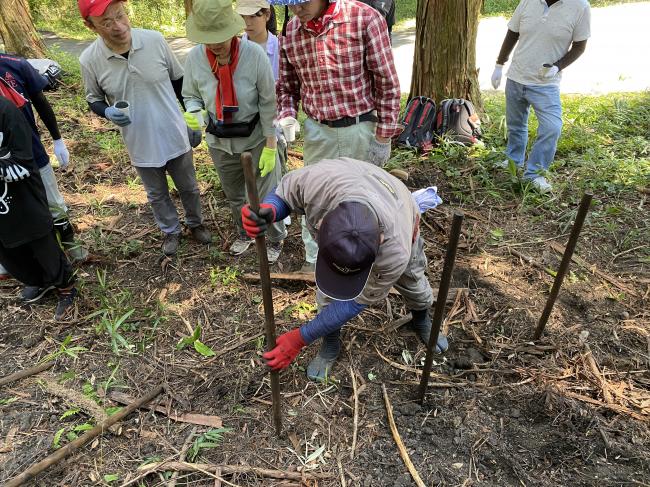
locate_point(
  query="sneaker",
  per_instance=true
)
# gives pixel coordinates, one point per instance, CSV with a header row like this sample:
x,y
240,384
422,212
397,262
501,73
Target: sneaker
x,y
170,243
201,234
77,253
240,245
308,268
273,251
33,294
541,184
65,306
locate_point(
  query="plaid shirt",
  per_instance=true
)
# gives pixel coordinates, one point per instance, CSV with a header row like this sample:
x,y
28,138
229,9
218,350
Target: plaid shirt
x,y
345,71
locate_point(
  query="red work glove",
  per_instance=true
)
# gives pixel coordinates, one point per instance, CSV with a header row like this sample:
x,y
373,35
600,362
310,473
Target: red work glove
x,y
256,224
287,347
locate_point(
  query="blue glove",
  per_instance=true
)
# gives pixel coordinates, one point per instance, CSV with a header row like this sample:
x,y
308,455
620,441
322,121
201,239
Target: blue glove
x,y
116,116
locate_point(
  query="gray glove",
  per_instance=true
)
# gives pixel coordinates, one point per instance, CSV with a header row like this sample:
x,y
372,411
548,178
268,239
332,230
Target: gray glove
x,y
116,116
378,152
195,136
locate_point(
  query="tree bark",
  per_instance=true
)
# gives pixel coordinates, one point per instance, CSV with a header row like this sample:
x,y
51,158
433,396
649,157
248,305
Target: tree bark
x,y
444,65
17,30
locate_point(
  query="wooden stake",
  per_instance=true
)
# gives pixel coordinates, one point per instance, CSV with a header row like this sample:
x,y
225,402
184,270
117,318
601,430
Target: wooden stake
x,y
71,447
267,292
355,425
25,373
398,440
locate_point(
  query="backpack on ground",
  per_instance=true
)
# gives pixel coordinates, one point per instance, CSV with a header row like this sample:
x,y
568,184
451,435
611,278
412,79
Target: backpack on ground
x,y
419,124
48,69
385,8
457,120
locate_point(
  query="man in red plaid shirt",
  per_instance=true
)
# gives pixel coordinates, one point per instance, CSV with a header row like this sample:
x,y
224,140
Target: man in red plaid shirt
x,y
336,58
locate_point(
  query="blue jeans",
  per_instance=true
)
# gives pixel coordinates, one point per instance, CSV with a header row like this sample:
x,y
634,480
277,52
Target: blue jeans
x,y
548,108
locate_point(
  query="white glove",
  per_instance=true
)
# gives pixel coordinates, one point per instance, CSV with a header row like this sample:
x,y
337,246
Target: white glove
x,y
61,153
548,72
496,76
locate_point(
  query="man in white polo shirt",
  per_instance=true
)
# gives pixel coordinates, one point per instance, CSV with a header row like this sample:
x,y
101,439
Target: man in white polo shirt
x,y
137,66
550,35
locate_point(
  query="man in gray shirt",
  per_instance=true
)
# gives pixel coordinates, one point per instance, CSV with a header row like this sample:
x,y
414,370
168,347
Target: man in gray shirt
x,y
550,35
366,224
137,66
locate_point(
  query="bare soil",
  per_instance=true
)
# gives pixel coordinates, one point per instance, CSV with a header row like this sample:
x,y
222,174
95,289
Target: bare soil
x,y
501,411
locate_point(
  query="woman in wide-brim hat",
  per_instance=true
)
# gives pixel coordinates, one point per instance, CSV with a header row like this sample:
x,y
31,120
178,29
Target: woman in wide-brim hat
x,y
232,79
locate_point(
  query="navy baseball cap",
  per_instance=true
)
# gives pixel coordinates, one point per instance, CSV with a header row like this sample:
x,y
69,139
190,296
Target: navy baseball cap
x,y
348,243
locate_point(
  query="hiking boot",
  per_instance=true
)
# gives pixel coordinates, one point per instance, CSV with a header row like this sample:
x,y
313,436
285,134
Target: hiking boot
x,y
65,306
421,325
33,294
541,184
273,250
321,365
240,245
201,234
170,243
76,253
308,268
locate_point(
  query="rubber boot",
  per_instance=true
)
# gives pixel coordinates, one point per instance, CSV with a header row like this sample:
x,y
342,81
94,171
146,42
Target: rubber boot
x,y
65,235
321,365
421,325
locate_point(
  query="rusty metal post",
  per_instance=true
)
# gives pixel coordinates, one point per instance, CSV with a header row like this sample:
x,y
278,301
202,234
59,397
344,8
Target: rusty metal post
x,y
443,290
267,293
564,265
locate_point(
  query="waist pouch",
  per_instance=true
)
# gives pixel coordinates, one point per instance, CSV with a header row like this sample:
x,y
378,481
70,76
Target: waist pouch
x,y
232,130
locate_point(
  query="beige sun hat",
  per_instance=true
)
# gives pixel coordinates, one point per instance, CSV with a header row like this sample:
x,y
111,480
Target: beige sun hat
x,y
212,22
250,7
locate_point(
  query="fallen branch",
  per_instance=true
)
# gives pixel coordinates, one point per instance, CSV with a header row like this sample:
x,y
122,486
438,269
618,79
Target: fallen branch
x,y
241,342
192,418
25,373
77,399
529,260
181,456
231,469
294,153
71,447
595,370
612,407
355,424
592,268
398,440
413,370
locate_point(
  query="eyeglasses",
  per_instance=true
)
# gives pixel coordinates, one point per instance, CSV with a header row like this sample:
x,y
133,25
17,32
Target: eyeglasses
x,y
107,23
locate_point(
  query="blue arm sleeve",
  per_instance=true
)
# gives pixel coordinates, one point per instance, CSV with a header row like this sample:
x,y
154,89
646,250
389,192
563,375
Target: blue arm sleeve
x,y
333,317
282,209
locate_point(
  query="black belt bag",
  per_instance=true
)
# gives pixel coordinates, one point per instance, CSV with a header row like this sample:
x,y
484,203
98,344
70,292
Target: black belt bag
x,y
349,121
232,130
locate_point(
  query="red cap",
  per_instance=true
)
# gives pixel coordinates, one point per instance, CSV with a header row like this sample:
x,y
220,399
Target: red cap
x,y
94,8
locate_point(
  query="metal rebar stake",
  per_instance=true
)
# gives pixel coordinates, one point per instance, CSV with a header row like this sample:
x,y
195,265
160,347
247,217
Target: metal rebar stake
x,y
564,265
439,310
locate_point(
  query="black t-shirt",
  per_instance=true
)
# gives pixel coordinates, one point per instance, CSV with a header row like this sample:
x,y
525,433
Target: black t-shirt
x,y
24,214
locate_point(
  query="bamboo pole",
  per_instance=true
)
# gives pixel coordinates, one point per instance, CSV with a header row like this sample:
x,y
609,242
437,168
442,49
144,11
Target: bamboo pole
x,y
71,447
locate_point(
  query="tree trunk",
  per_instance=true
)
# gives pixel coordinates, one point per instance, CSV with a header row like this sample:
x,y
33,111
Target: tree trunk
x,y
17,30
444,65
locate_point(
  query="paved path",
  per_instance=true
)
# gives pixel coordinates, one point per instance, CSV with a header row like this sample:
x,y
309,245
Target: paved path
x,y
616,58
